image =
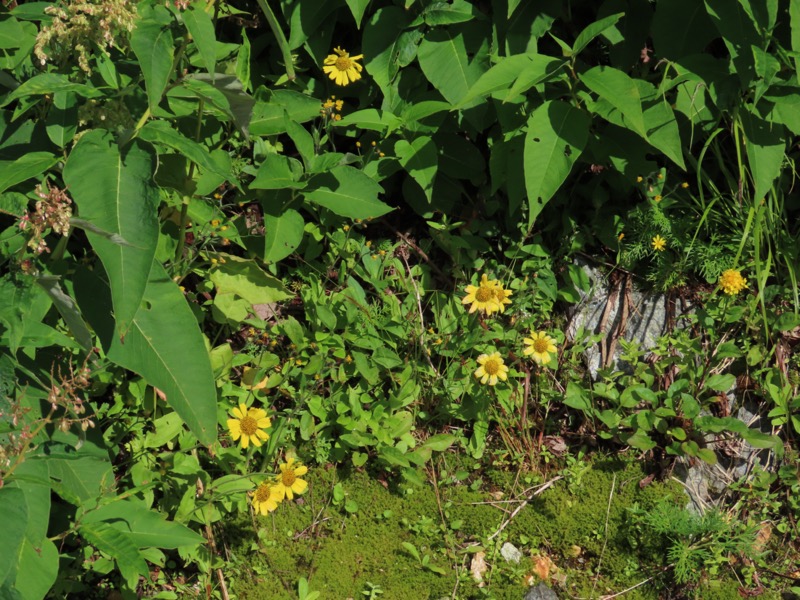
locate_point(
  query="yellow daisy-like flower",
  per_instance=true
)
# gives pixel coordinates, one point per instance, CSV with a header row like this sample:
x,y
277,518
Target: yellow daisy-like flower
x,y
659,243
249,425
491,368
482,297
732,282
289,481
266,497
342,68
502,296
539,347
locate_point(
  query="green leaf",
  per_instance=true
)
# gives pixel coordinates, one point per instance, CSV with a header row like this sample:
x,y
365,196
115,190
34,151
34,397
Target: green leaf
x,y
50,83
302,140
446,13
62,119
619,90
444,61
246,279
681,28
278,172
420,159
282,234
739,33
504,73
31,164
347,192
67,309
14,204
160,132
305,18
151,41
794,20
593,30
765,148
375,120
201,27
541,68
382,44
269,119
76,476
721,383
144,527
113,542
663,132
114,190
556,136
225,93
163,344
14,522
357,7
640,440
37,570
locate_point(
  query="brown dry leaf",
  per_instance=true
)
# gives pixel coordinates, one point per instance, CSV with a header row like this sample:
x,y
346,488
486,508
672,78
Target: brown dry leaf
x,y
498,495
478,567
762,537
542,566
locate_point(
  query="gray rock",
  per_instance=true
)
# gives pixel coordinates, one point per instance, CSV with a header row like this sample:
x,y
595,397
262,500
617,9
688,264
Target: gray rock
x,y
510,553
540,592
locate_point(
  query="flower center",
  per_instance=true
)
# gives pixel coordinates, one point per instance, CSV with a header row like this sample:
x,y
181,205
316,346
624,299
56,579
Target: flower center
x,y
540,345
288,478
248,425
263,493
343,63
484,294
492,367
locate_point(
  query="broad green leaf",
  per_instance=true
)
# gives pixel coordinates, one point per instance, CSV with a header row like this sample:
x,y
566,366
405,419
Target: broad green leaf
x,y
381,43
244,278
78,477
593,30
739,33
305,18
500,76
37,570
420,160
50,83
142,526
282,234
446,13
512,6
721,383
243,62
14,522
347,192
556,136
794,20
14,204
373,119
278,172
62,119
302,140
765,146
459,158
766,69
67,309
32,477
200,25
541,68
151,41
619,90
114,190
160,132
269,119
31,164
226,93
444,61
165,346
119,546
663,132
357,7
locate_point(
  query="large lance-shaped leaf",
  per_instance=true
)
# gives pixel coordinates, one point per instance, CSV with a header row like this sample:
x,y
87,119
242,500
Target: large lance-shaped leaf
x,y
420,159
765,147
15,518
282,234
200,25
26,166
556,137
160,132
151,41
113,188
164,345
348,192
619,90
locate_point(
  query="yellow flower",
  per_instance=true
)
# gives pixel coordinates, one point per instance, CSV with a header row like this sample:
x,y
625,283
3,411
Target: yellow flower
x,y
249,379
685,185
491,368
657,198
342,68
659,243
502,296
289,481
266,497
249,425
482,297
639,179
539,347
732,282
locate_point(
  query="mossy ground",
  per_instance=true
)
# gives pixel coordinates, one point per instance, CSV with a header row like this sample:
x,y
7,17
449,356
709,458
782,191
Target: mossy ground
x,y
580,523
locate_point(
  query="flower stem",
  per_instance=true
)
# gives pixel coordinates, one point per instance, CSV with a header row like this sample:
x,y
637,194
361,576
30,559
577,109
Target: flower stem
x,y
278,32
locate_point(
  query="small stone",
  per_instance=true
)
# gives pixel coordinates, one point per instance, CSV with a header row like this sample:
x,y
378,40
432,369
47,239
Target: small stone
x,y
510,553
540,592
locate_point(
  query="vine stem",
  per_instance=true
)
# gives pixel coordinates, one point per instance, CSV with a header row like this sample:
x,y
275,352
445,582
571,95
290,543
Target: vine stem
x,y
282,42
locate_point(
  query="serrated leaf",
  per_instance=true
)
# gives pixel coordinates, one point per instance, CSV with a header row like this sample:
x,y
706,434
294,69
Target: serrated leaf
x,y
114,190
556,136
347,192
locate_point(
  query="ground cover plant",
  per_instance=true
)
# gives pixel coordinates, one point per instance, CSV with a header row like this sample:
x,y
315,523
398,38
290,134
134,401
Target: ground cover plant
x,y
273,271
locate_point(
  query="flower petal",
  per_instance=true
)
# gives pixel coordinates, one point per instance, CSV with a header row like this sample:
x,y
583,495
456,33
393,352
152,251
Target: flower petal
x,y
299,486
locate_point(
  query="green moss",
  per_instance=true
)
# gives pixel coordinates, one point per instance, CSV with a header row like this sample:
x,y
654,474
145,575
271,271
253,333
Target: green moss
x,y
341,552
